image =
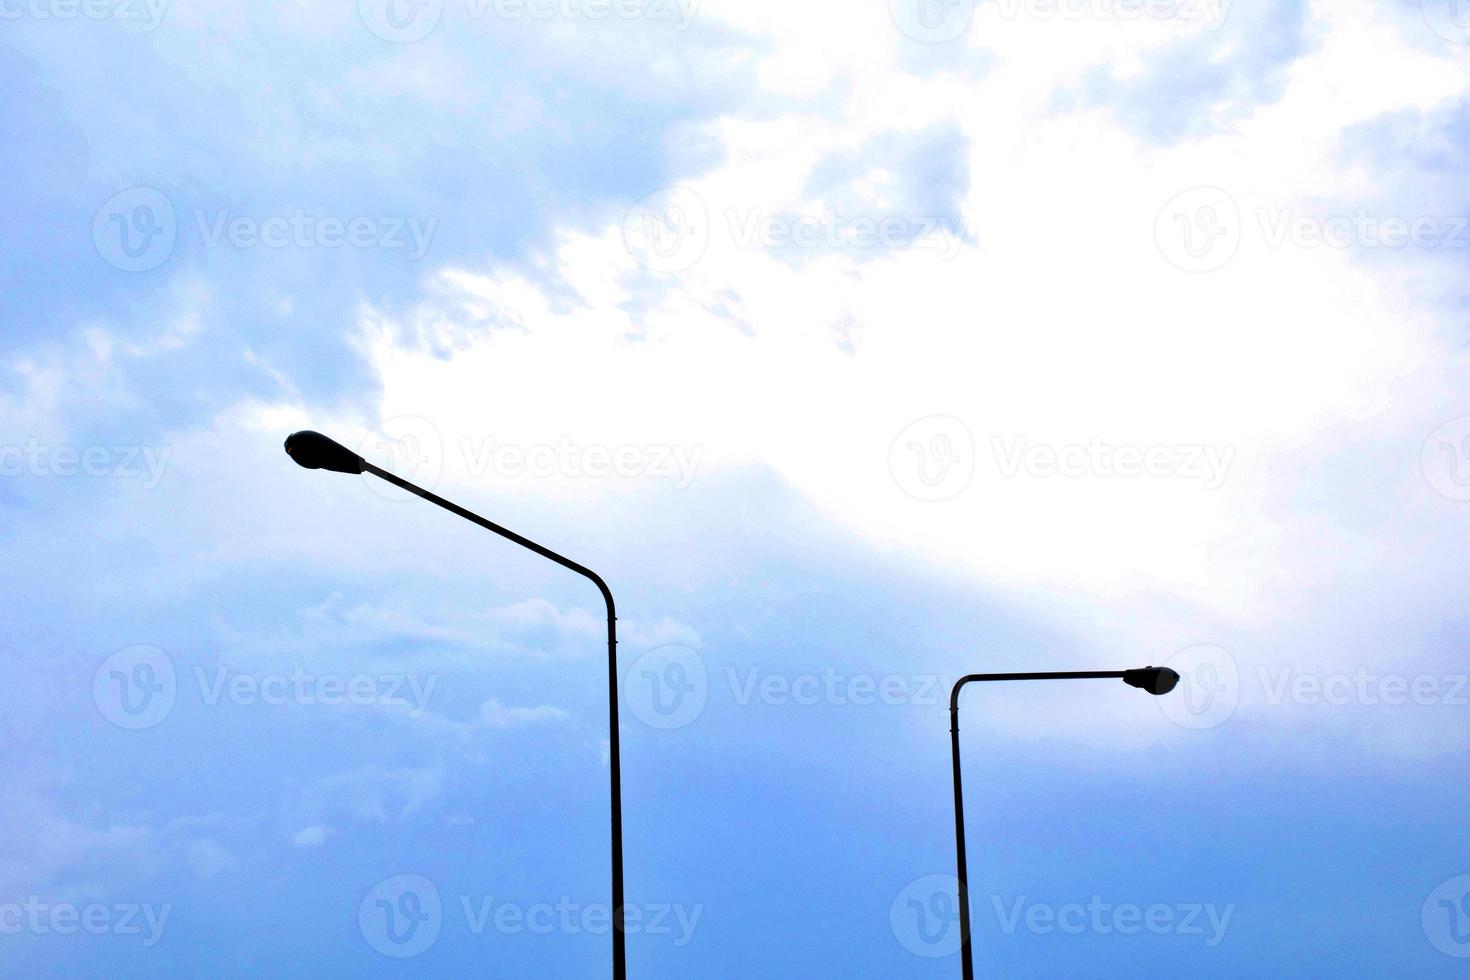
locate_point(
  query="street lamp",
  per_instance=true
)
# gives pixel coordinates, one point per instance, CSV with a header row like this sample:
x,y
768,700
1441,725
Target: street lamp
x,y
316,452
1154,680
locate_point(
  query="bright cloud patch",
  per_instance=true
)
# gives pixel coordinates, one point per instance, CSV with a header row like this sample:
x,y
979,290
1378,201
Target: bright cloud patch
x,y
1082,375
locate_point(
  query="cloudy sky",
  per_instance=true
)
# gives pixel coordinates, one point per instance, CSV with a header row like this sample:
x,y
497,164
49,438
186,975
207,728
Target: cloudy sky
x,y
860,346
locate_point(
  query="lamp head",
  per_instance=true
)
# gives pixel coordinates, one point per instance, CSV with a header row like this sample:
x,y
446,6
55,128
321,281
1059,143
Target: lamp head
x,y
1154,680
316,452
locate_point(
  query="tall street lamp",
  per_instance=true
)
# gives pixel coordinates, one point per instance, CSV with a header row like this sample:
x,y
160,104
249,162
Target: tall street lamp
x,y
1154,680
316,452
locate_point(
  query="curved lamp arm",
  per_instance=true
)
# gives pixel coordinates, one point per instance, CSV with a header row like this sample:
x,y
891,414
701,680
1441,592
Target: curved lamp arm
x,y
317,452
1154,680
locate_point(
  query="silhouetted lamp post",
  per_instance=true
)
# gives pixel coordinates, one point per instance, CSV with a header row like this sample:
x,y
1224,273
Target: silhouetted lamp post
x,y
316,452
1154,680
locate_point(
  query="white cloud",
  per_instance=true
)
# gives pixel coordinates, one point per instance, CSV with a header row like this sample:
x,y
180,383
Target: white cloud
x,y
1063,324
208,858
374,793
314,836
497,715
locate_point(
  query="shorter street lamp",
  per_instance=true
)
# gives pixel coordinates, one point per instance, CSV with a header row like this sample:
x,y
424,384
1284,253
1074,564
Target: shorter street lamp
x,y
1154,680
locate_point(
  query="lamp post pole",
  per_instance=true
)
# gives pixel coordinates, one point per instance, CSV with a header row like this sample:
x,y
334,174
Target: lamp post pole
x,y
1155,680
315,451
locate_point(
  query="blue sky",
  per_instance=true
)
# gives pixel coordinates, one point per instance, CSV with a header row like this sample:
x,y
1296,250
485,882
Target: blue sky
x,y
859,347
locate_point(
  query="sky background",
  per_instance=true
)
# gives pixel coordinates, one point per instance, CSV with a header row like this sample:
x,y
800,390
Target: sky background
x,y
859,346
